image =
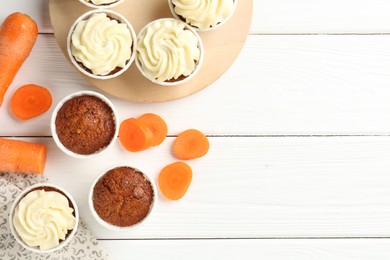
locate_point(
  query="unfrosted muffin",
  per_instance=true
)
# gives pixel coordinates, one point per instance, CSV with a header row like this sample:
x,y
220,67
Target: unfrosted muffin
x,y
203,14
169,52
101,44
123,196
85,124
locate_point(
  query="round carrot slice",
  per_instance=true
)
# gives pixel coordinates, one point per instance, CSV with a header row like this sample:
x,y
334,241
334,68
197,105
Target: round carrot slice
x,y
157,125
174,180
30,101
134,136
190,144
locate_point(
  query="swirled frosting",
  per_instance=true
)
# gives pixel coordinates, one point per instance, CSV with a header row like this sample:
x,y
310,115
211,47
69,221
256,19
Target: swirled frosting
x,y
167,50
43,219
101,44
203,13
101,2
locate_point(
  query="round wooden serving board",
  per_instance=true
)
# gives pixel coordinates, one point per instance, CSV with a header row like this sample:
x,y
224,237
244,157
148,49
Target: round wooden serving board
x,y
222,47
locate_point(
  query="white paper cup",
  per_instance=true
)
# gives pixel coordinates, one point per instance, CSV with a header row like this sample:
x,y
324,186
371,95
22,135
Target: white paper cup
x,y
110,226
115,15
92,5
54,131
178,82
218,25
69,236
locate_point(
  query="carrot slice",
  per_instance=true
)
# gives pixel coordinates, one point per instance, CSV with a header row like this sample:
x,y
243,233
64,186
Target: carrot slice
x,y
174,180
18,34
22,157
30,101
157,125
190,144
134,136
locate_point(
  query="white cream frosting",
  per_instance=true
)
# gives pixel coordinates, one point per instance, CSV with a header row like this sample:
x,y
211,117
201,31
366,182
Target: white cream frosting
x,y
203,13
167,50
101,44
43,219
101,2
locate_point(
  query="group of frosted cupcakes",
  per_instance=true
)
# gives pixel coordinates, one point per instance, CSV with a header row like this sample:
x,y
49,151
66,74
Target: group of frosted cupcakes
x,y
102,43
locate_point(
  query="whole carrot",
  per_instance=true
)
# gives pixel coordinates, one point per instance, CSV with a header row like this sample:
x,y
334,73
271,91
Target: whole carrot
x,y
22,157
18,34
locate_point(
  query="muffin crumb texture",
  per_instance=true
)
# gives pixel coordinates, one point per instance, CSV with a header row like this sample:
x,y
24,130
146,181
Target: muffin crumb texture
x,y
85,124
123,196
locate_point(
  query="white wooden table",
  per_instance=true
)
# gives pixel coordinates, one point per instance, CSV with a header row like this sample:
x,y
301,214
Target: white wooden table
x,y
299,166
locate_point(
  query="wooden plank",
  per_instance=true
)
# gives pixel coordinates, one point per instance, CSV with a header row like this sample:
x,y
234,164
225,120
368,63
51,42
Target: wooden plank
x,y
273,16
302,249
294,85
249,187
331,16
37,9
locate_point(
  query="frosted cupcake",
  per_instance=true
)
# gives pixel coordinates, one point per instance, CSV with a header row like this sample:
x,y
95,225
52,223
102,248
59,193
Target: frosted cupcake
x,y
101,44
44,218
101,3
169,52
203,15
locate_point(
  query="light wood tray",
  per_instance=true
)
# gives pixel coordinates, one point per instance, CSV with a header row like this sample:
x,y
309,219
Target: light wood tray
x,y
222,47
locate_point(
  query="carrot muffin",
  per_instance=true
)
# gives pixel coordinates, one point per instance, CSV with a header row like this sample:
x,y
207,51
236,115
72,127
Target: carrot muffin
x,y
168,51
101,2
203,14
101,44
85,124
44,217
123,196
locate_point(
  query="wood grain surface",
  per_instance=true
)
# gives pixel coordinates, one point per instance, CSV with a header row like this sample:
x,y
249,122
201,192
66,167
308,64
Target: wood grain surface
x,y
253,187
300,140
275,16
280,85
274,249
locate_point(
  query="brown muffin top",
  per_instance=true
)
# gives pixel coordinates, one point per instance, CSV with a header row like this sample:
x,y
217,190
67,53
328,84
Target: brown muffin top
x,y
123,196
85,124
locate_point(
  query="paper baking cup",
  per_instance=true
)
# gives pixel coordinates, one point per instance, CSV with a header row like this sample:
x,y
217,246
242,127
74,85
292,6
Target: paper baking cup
x,y
92,5
110,226
111,14
54,131
171,6
186,79
68,236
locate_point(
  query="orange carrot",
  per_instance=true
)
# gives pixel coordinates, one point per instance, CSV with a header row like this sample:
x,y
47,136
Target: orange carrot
x,y
157,125
190,144
135,136
22,157
17,37
30,101
174,180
